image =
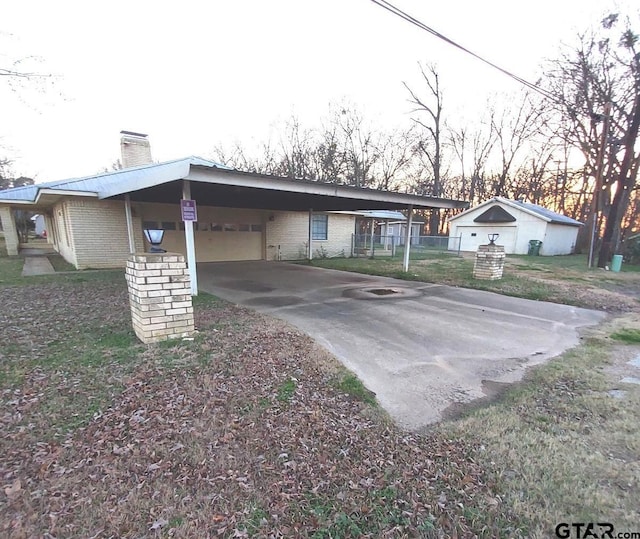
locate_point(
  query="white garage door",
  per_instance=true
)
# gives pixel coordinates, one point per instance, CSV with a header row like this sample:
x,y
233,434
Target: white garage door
x,y
474,236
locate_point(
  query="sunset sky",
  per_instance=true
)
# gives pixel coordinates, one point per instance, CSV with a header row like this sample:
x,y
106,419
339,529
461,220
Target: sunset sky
x,y
195,74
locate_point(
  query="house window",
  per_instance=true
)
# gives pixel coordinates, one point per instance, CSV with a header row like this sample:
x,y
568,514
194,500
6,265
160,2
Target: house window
x,y
256,228
168,225
319,227
150,225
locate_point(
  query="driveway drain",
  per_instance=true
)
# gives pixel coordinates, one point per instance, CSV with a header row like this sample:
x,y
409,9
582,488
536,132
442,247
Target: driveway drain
x,y
381,293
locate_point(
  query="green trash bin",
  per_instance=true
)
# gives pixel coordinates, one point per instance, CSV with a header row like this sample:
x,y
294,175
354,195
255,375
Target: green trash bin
x,y
616,263
534,247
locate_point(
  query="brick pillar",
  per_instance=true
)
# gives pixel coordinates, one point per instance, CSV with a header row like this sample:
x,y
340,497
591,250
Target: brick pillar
x,y
160,296
489,262
10,230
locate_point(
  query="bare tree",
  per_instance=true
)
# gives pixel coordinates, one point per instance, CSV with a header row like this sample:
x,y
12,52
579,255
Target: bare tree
x,y
296,147
428,115
237,156
472,148
603,68
394,157
328,159
514,128
360,150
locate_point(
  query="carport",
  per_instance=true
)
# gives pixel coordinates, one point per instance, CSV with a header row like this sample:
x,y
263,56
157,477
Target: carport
x,y
93,223
209,184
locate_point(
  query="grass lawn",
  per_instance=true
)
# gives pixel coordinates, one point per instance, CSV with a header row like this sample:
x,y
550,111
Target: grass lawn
x,y
252,430
559,279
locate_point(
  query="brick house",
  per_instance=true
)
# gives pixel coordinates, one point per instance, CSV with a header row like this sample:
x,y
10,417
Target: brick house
x,y
98,221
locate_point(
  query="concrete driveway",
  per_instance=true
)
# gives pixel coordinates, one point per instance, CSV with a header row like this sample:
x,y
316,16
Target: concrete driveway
x,y
421,348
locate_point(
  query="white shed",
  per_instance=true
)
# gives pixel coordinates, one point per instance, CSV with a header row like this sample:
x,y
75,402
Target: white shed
x,y
517,223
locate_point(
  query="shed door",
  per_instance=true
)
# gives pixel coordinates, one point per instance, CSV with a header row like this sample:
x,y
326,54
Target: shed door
x,y
474,236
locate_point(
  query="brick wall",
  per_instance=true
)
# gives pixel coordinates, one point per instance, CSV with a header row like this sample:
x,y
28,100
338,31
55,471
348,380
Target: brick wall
x,y
288,234
159,296
98,233
9,229
135,150
62,233
489,262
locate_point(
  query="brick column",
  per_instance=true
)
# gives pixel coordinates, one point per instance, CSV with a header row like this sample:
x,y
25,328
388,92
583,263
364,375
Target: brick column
x,y
10,230
489,262
160,296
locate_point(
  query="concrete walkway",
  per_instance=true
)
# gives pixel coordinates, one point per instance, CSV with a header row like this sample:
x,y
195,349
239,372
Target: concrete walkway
x,y
37,265
422,348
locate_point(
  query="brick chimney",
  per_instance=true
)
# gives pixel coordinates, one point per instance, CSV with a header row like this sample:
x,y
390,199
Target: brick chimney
x,y
135,149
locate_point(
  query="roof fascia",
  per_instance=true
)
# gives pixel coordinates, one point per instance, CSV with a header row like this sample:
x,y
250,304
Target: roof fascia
x,y
168,173
63,192
312,188
12,202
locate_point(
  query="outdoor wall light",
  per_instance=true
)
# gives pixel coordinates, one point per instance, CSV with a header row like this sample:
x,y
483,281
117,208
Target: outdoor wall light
x,y
493,238
154,237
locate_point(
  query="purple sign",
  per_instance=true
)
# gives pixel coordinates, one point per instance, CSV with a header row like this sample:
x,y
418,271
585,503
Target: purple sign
x,y
188,209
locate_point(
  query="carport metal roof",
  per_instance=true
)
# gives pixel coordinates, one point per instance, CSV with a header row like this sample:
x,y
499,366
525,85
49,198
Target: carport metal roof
x,y
216,185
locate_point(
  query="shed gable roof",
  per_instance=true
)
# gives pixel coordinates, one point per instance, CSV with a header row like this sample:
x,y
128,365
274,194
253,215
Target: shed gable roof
x,y
532,209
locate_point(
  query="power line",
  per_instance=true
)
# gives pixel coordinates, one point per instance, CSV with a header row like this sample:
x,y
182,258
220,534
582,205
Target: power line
x,y
403,15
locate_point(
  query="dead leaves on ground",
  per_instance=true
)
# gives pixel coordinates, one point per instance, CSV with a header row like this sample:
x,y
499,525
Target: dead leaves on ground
x,y
199,439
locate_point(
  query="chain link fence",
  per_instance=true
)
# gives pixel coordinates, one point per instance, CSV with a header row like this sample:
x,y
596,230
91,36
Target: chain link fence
x,y
376,245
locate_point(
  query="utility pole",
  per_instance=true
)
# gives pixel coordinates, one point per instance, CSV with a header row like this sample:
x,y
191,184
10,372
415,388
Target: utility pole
x,y
598,185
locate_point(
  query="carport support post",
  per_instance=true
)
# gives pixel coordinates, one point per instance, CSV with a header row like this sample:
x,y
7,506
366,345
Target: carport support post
x,y
310,243
407,239
127,212
371,254
191,246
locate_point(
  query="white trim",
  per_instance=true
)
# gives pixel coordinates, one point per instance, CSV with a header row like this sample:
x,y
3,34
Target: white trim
x,y
63,192
9,201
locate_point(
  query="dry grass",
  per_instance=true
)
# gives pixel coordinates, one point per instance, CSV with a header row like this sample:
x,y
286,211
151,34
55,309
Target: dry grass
x,y
560,447
252,430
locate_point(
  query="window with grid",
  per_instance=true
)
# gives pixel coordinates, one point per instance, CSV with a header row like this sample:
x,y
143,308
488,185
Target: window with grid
x,y
319,227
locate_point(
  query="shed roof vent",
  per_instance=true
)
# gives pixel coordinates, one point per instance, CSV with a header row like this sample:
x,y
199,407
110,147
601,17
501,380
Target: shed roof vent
x,y
495,214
